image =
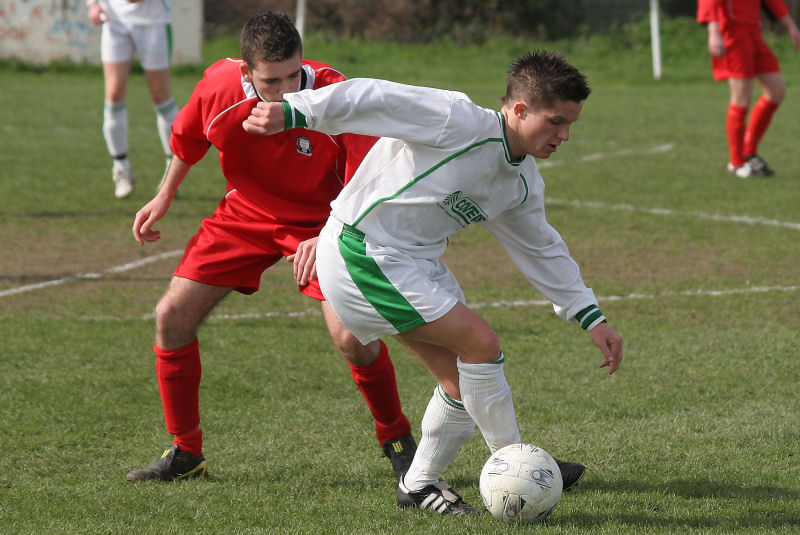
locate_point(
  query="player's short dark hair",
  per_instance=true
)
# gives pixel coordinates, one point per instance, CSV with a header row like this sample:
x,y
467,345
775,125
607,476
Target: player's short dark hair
x,y
542,77
270,37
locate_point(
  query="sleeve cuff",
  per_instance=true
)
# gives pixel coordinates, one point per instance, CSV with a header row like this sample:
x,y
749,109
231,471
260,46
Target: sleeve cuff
x,y
590,317
292,117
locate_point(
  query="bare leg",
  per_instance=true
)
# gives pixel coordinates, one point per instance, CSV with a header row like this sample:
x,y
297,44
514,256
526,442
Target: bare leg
x,y
183,307
115,76
741,91
772,86
158,85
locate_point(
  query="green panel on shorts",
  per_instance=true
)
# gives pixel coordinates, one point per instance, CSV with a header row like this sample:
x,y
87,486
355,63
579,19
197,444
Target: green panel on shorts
x,y
372,282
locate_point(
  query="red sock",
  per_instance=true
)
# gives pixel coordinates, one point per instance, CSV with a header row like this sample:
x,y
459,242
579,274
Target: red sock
x,y
379,388
178,372
759,121
735,126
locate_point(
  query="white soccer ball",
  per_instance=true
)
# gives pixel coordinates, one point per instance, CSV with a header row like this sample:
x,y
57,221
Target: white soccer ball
x,y
520,483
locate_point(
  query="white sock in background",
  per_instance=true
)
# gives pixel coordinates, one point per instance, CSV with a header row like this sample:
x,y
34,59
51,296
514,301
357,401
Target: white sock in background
x,y
165,114
115,128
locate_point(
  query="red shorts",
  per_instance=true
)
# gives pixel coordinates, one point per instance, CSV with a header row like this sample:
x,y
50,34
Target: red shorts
x,y
746,54
238,242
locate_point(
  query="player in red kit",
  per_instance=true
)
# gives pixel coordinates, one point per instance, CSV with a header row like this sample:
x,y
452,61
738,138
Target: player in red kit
x,y
278,198
740,56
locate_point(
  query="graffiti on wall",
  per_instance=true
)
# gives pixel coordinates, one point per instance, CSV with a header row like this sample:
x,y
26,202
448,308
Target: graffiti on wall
x,y
40,31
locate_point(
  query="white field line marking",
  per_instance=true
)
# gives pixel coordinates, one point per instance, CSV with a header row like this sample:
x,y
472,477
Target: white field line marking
x,y
655,211
547,163
116,269
603,155
497,304
748,220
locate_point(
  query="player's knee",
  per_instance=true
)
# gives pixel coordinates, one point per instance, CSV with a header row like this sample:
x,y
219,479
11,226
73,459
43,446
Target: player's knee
x,y
354,351
483,346
169,316
115,93
777,94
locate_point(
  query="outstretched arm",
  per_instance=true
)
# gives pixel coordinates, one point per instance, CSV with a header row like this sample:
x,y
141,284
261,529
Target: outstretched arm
x,y
375,108
156,209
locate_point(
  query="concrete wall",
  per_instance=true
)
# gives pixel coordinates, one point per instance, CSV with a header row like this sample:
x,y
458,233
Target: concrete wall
x,y
40,31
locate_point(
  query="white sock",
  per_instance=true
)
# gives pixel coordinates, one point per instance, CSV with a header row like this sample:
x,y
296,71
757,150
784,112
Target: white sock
x,y
165,114
115,128
445,428
122,164
487,397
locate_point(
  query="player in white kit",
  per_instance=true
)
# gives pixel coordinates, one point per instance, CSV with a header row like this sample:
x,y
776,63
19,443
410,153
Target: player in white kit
x,y
143,28
444,162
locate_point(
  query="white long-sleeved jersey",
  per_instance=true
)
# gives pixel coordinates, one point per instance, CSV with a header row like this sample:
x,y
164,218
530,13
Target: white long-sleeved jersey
x,y
443,162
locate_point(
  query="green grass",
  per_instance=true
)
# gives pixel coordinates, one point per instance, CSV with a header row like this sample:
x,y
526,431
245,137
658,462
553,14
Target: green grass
x,y
696,433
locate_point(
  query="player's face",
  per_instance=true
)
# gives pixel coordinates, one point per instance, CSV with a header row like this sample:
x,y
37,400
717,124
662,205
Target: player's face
x,y
539,131
273,79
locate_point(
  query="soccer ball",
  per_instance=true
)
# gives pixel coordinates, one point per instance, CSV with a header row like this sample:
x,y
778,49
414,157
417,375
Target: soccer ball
x,y
520,483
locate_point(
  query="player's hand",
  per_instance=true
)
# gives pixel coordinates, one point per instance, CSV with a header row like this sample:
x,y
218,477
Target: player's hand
x,y
610,344
97,15
145,219
265,119
716,45
304,262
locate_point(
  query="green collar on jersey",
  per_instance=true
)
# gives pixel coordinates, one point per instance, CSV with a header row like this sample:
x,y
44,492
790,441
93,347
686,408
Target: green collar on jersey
x,y
509,157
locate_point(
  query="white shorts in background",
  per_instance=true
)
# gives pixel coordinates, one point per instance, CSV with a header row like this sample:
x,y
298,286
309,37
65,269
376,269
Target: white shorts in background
x,y
152,43
377,290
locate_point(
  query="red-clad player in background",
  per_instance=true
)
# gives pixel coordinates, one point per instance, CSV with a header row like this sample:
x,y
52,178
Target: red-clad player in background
x,y
279,193
740,55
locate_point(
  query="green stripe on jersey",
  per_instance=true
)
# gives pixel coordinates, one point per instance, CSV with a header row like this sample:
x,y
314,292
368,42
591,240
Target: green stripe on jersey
x,y
527,191
374,285
426,173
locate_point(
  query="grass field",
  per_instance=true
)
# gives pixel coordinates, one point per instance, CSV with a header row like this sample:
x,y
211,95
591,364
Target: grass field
x,y
696,433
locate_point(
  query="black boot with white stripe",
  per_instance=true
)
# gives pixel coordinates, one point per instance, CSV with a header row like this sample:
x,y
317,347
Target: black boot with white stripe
x,y
440,497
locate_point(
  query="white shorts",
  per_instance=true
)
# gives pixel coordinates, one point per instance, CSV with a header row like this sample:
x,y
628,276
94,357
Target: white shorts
x,y
151,42
377,290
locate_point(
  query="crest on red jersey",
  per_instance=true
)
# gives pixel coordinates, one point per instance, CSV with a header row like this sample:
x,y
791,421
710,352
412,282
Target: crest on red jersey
x,y
303,146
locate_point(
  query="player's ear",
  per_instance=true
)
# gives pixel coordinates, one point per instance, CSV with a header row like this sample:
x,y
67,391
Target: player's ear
x,y
245,70
520,109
